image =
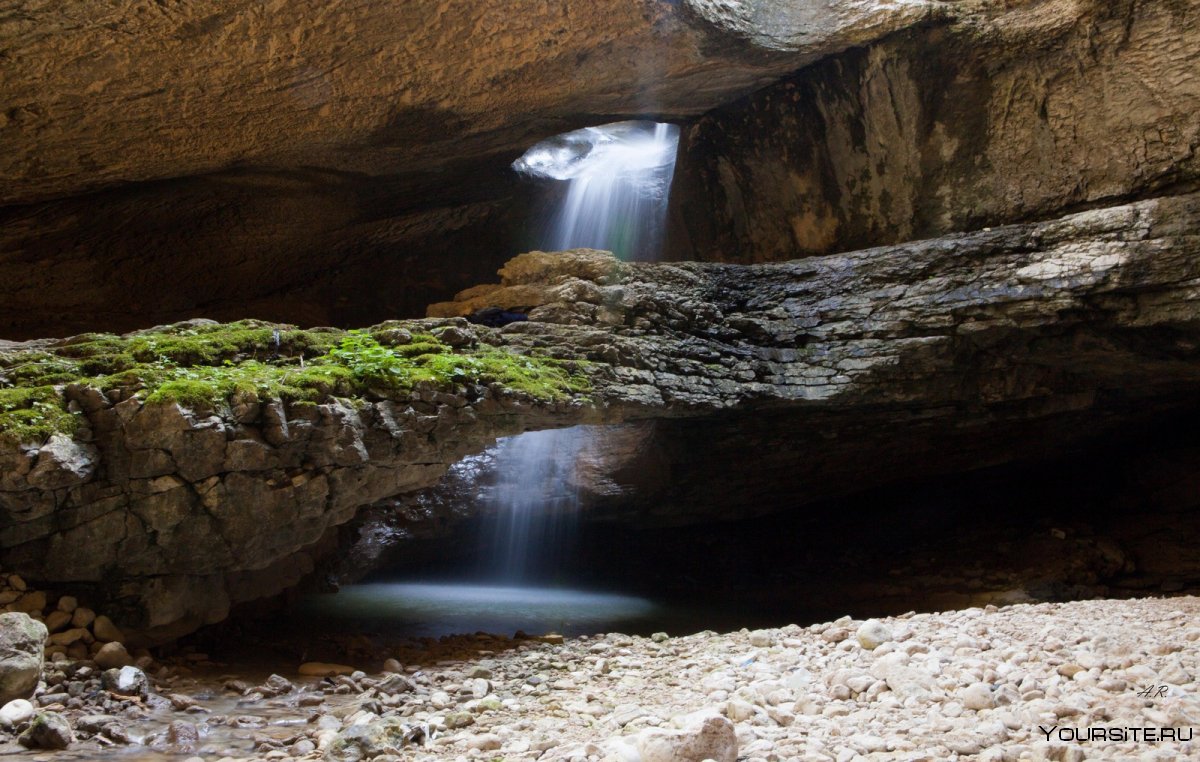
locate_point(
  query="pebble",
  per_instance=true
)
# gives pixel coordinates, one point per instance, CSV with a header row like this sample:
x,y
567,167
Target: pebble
x,y
485,742
126,681
459,720
15,713
478,687
873,633
183,736
302,748
977,697
762,639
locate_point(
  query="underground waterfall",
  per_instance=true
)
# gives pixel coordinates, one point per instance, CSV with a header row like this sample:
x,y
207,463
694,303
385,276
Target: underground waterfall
x,y
618,180
607,381
607,188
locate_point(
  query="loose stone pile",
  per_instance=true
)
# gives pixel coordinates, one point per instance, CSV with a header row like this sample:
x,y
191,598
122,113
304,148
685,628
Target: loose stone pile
x,y
75,631
1027,682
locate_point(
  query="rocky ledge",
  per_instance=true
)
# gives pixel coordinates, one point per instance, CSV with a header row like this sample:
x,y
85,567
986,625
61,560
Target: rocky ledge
x,y
209,470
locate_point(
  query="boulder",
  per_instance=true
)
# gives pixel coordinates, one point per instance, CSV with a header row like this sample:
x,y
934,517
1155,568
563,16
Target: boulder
x,y
708,736
22,640
47,731
105,630
113,656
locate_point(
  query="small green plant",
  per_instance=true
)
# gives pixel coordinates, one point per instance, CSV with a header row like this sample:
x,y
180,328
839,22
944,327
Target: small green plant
x,y
371,362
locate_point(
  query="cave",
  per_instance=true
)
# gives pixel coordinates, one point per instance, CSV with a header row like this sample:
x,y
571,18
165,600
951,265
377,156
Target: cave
x,y
623,381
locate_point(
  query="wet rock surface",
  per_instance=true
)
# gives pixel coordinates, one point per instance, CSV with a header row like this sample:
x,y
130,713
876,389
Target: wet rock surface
x,y
1015,682
1081,322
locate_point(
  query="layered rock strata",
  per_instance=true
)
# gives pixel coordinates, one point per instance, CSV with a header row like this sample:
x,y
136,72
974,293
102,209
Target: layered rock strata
x,y
993,338
1009,114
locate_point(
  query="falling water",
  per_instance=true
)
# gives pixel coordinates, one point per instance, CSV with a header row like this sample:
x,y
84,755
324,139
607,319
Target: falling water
x,y
617,179
534,502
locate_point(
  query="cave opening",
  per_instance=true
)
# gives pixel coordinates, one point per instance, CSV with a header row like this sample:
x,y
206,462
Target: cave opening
x,y
608,188
1113,515
903,317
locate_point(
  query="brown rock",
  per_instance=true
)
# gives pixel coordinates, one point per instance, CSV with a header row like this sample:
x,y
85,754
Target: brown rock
x,y
56,620
31,602
105,630
113,655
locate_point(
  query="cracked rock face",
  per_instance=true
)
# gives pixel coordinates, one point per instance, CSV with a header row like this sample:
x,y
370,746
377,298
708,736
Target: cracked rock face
x,y
1004,115
790,25
995,338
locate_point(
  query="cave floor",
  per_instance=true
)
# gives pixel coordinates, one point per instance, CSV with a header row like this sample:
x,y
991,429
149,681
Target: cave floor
x,y
977,683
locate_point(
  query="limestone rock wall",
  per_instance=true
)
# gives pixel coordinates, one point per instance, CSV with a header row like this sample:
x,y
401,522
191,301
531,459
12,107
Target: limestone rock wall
x,y
104,93
964,348
1009,113
310,162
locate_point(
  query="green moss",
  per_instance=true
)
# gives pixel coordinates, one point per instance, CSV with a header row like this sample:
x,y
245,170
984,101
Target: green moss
x,y
209,366
187,344
41,369
29,415
429,361
208,387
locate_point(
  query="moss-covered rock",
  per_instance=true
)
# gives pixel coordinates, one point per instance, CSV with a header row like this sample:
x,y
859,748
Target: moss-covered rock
x,y
204,365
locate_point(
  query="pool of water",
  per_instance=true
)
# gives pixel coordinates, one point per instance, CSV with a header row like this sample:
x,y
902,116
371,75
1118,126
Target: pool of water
x,y
424,609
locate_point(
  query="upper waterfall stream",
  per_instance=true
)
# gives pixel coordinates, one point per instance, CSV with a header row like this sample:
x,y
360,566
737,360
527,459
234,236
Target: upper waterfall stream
x,y
617,177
